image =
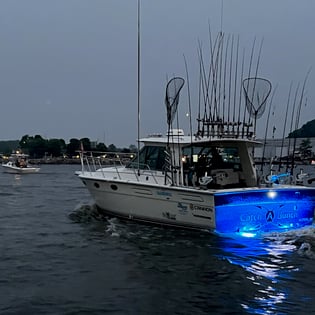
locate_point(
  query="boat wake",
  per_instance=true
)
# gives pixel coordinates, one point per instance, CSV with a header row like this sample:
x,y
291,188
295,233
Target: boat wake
x,y
89,213
302,239
85,213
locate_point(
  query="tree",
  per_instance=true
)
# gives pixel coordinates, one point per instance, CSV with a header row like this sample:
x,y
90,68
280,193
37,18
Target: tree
x,y
55,147
306,131
37,147
112,148
101,147
73,146
6,147
24,142
306,148
34,146
133,148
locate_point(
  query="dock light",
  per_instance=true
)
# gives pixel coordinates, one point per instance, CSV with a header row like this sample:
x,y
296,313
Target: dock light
x,y
271,194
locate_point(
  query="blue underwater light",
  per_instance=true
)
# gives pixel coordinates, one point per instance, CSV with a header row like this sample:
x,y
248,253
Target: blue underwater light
x,y
249,213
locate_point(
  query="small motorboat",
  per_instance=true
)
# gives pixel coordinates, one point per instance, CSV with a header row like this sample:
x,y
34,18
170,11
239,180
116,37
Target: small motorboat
x,y
18,164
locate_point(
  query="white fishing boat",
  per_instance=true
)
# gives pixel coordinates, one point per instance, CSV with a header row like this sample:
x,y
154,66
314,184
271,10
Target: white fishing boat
x,y
223,197
208,179
18,164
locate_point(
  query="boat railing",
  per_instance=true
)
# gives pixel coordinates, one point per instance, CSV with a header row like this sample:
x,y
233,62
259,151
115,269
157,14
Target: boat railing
x,y
145,168
91,163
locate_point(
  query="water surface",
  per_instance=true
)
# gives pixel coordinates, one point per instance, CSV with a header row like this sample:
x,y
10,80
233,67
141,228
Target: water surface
x,y
59,256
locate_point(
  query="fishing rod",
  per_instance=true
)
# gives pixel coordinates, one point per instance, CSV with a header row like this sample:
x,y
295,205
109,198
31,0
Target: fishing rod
x,y
199,131
291,127
230,79
189,100
235,83
189,112
240,95
224,78
284,126
298,114
267,127
213,68
256,73
249,71
206,86
203,93
216,77
218,118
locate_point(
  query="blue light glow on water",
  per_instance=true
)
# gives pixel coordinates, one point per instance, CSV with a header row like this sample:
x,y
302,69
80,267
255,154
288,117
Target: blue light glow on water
x,y
267,267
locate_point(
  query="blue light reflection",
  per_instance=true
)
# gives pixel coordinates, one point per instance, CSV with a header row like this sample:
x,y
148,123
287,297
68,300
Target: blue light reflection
x,y
265,264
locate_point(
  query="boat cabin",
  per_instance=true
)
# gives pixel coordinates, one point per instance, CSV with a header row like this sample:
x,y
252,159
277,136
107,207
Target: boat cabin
x,y
209,164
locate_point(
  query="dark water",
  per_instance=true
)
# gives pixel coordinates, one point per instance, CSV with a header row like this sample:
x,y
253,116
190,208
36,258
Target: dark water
x,y
59,257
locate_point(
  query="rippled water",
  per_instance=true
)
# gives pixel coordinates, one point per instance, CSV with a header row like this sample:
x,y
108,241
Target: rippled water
x,y
58,256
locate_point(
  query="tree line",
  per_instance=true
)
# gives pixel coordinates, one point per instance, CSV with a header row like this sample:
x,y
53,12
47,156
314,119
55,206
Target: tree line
x,y
38,147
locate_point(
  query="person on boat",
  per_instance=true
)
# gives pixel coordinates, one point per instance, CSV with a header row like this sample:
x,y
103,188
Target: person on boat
x,y
22,163
201,167
188,171
216,161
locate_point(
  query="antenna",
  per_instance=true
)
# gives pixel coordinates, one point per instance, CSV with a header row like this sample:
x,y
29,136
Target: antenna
x,y
138,82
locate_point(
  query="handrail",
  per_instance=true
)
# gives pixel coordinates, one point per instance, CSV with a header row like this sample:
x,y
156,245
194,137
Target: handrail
x,y
94,163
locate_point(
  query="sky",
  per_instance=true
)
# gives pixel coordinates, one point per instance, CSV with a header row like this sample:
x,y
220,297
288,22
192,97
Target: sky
x,y
68,68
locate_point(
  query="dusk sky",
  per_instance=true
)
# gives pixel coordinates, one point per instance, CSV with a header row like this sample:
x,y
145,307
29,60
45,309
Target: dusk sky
x,y
68,68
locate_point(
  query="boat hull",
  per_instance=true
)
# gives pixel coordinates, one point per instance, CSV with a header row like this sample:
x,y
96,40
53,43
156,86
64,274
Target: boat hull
x,y
240,211
153,204
19,170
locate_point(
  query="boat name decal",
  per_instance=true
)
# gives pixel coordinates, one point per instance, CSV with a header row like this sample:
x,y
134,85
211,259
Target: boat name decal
x,y
287,215
201,208
183,209
270,216
250,217
164,193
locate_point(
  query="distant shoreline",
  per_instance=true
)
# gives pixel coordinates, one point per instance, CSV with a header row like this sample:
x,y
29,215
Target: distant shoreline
x,y
60,160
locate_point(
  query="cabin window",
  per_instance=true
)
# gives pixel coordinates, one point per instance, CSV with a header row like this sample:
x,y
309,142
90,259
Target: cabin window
x,y
150,157
212,167
214,157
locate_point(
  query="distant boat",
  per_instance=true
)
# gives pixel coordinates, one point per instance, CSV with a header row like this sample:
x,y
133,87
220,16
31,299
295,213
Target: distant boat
x,y
18,164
